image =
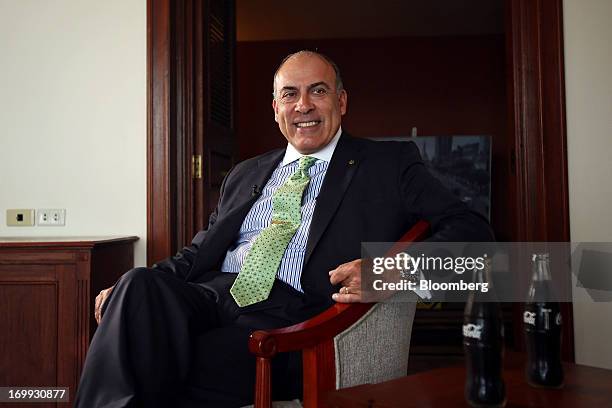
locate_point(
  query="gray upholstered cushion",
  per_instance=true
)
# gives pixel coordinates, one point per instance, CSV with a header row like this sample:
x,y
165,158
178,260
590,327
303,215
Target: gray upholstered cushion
x,y
376,347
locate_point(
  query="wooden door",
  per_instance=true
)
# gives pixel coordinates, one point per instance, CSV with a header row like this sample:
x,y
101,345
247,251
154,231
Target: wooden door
x,y
191,46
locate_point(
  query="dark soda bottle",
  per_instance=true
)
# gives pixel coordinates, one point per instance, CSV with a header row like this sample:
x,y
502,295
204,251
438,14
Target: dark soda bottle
x,y
483,345
542,323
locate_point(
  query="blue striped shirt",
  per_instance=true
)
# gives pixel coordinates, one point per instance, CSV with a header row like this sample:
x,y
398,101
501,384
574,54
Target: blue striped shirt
x,y
260,216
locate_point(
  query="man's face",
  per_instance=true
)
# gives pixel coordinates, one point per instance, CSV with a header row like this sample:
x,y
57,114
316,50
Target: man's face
x,y
307,106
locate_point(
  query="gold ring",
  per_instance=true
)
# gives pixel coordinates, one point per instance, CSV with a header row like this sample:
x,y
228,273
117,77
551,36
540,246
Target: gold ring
x,y
346,291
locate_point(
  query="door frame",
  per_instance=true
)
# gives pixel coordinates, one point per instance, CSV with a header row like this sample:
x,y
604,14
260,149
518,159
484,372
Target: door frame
x,y
536,109
160,114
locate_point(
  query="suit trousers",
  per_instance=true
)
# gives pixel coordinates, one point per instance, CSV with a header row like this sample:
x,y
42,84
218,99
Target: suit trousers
x,y
166,342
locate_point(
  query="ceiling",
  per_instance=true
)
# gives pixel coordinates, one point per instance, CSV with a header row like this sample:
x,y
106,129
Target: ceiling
x,y
261,20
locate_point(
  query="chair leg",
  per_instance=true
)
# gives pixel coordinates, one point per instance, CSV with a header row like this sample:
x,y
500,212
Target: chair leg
x,y
319,373
263,384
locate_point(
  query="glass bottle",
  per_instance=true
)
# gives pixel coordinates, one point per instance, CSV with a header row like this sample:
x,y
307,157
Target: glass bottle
x,y
483,337
542,324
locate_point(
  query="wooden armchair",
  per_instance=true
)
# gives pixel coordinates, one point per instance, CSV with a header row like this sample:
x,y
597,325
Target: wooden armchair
x,y
357,330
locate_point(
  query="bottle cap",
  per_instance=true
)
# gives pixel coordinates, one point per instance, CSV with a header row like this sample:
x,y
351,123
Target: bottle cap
x,y
543,256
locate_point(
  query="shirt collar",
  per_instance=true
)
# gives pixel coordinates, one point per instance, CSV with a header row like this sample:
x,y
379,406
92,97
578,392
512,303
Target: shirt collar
x,y
325,154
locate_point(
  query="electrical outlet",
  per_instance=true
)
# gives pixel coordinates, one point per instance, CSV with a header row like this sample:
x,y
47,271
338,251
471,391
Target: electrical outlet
x,y
52,217
20,218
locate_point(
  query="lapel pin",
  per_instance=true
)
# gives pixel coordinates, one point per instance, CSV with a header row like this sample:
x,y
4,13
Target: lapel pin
x,y
351,161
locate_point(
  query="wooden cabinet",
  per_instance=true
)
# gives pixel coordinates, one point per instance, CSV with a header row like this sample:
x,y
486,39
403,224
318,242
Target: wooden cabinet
x,y
47,292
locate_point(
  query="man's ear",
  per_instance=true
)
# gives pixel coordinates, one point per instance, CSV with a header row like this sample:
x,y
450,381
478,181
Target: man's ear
x,y
343,101
275,108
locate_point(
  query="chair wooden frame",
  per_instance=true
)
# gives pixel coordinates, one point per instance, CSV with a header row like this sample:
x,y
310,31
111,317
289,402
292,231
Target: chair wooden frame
x,y
315,337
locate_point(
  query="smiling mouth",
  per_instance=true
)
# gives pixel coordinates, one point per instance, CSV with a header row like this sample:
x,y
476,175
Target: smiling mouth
x,y
307,124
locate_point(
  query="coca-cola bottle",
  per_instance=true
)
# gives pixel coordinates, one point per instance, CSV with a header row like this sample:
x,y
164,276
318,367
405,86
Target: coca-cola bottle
x,y
542,323
483,337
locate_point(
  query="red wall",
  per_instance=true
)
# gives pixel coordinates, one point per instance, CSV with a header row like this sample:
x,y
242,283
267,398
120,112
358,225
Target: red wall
x,y
441,85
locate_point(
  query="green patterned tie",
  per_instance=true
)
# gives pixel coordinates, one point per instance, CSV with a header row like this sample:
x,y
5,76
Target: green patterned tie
x,y
256,278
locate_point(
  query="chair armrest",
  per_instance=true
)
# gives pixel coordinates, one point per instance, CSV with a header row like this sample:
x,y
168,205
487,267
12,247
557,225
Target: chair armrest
x,y
418,232
328,324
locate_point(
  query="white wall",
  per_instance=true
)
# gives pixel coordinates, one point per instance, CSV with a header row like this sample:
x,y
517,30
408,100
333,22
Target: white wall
x,y
73,115
588,65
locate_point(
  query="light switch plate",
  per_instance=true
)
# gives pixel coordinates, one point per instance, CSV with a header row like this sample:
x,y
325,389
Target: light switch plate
x,y
20,217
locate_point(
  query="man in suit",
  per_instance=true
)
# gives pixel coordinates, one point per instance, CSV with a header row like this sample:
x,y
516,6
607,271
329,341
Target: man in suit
x,y
176,334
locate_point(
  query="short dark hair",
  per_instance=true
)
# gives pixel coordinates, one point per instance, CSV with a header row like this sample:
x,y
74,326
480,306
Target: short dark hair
x,y
339,84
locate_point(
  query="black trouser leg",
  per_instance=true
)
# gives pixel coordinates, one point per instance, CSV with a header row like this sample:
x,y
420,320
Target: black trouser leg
x,y
140,354
223,369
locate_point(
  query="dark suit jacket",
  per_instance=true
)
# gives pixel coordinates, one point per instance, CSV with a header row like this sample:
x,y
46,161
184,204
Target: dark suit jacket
x,y
372,192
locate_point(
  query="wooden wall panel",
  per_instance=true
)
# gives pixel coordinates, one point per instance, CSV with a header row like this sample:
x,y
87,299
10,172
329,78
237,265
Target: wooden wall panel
x,y
441,85
28,307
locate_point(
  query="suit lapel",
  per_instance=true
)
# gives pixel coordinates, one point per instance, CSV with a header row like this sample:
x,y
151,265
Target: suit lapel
x,y
225,230
257,181
267,165
342,167
260,176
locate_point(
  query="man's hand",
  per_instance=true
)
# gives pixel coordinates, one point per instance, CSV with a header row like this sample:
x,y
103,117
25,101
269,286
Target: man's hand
x,y
100,301
349,276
